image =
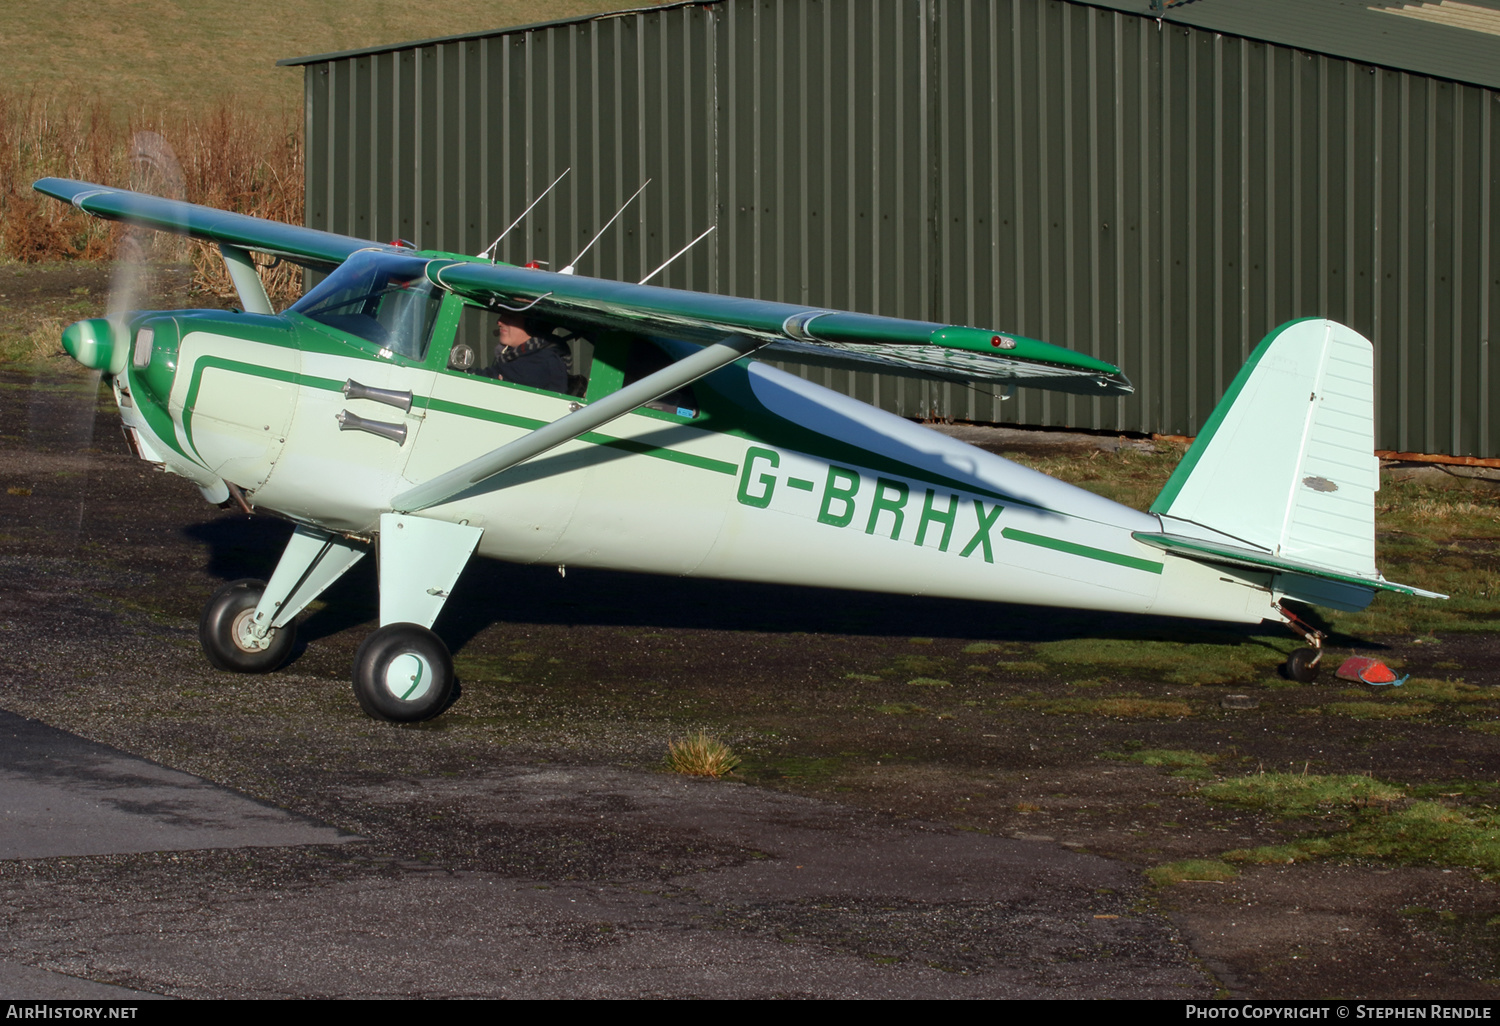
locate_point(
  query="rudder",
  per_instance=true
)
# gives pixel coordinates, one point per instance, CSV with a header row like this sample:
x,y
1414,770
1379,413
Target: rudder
x,y
1285,463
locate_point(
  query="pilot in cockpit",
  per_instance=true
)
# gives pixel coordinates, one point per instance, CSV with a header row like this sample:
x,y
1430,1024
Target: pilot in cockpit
x,y
529,354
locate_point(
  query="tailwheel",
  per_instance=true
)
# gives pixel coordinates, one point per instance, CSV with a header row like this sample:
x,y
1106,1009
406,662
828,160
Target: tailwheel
x,y
403,673
225,631
1302,665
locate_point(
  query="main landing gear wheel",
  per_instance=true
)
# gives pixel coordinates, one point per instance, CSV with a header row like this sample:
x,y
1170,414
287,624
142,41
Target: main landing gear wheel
x,y
1302,665
224,631
404,673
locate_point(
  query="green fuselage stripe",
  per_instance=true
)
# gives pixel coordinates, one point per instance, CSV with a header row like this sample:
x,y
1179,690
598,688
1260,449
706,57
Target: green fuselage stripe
x,y
592,437
440,406
204,363
1072,548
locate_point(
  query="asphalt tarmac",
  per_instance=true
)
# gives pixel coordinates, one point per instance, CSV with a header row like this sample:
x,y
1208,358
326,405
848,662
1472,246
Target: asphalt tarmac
x,y
127,889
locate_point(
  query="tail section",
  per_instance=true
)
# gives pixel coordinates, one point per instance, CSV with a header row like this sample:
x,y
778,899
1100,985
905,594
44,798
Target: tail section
x,y
1283,475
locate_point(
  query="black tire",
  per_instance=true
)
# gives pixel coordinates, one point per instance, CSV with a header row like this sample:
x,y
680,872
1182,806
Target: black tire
x,y
221,631
1303,665
403,673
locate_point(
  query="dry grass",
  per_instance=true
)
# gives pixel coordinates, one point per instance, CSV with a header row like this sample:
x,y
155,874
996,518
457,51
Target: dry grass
x,y
228,158
189,55
699,755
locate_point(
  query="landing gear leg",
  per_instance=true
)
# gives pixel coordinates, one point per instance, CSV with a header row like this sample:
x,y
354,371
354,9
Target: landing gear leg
x,y
247,627
1302,665
403,672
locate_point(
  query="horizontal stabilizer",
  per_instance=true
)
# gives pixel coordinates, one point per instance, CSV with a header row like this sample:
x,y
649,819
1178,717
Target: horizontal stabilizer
x,y
1253,559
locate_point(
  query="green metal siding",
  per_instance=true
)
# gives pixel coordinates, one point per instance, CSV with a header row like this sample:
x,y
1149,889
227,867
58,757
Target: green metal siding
x,y
1149,192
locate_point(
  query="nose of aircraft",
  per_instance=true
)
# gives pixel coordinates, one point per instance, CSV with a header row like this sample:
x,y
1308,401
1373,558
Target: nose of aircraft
x,y
91,342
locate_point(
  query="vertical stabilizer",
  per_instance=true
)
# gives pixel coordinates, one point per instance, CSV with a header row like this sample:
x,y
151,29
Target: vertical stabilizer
x,y
1286,463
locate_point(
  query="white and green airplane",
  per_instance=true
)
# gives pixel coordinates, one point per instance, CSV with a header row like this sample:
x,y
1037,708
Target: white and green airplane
x,y
357,416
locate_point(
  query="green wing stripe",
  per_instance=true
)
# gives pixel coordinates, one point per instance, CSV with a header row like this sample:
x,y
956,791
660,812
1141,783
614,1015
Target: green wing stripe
x,y
1072,548
306,245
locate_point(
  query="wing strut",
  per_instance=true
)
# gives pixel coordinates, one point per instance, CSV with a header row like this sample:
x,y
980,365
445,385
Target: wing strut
x,y
650,388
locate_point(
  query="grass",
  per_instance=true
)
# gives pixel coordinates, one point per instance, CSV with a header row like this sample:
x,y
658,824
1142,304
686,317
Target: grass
x,y
699,755
1364,819
190,54
1422,833
1294,794
1442,536
916,665
32,341
230,158
207,84
1179,763
1198,870
1396,710
1123,707
1132,477
800,768
1448,692
1224,660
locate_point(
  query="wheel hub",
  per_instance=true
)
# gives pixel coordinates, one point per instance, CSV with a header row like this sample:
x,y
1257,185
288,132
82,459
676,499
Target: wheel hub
x,y
409,677
244,637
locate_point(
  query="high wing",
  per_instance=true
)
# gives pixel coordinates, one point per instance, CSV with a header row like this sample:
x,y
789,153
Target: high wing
x,y
793,333
307,246
952,365
796,333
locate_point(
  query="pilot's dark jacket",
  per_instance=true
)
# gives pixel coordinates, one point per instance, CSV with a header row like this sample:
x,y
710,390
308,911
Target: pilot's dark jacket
x,y
537,362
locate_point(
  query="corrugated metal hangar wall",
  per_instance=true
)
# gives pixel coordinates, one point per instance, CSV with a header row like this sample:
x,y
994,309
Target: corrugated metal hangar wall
x,y
1155,194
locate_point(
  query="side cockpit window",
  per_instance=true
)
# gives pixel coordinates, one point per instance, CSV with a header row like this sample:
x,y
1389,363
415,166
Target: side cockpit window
x,y
647,357
524,350
385,300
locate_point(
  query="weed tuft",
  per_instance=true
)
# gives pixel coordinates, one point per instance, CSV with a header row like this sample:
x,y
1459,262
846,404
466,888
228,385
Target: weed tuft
x,y
699,755
928,682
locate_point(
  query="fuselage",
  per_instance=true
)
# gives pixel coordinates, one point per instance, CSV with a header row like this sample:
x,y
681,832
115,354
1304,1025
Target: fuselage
x,y
766,477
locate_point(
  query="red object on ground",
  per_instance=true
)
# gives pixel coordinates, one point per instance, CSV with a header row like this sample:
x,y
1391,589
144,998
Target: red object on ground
x,y
1367,671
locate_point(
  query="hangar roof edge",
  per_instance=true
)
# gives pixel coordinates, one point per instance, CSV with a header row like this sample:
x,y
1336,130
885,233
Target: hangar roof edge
x,y
1452,39
582,19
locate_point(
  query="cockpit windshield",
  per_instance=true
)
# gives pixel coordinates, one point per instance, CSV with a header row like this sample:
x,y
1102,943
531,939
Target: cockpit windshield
x,y
382,298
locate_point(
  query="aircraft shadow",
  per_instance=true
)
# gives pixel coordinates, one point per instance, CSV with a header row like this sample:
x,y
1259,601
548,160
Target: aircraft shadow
x,y
491,592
